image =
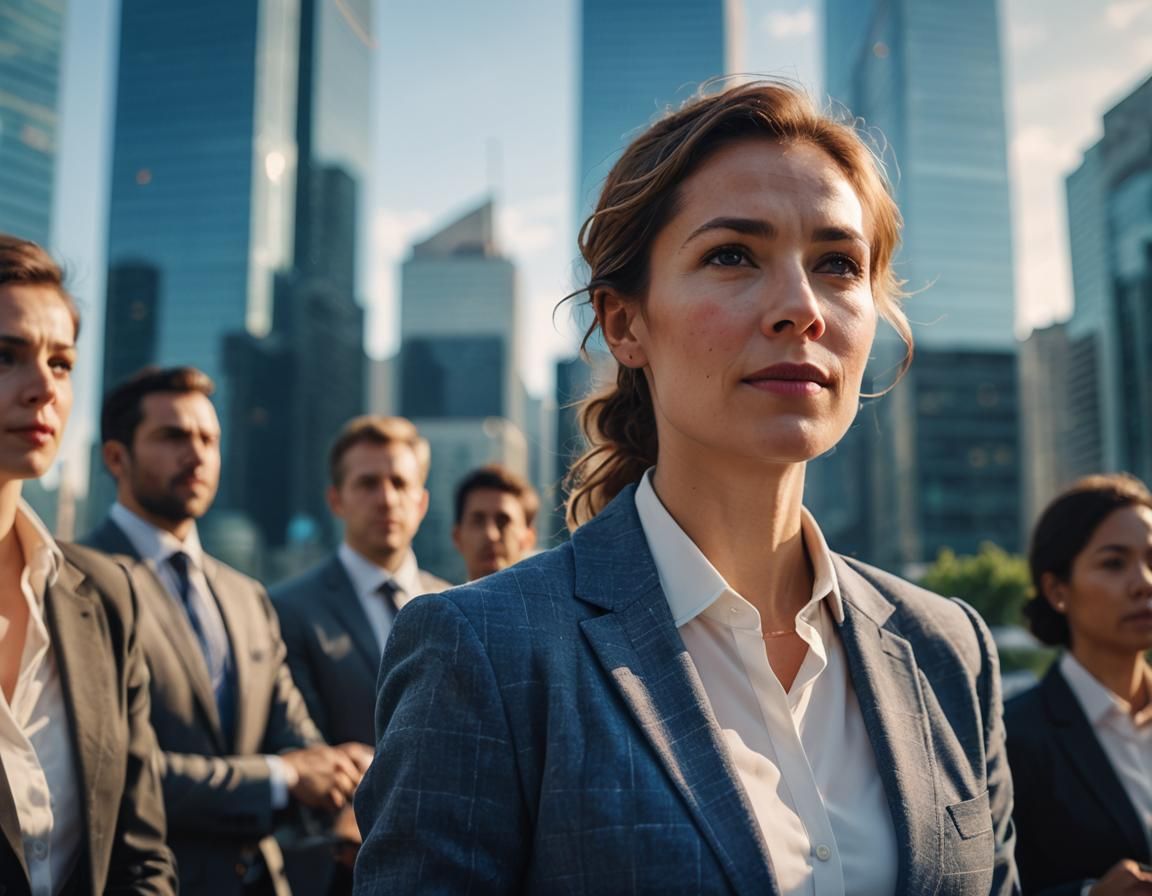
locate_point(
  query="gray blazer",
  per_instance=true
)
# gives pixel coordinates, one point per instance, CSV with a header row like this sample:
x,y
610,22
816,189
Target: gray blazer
x,y
332,650
218,794
92,623
543,730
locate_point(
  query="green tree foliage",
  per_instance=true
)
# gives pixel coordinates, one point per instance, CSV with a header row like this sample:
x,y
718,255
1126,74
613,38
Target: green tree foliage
x,y
995,582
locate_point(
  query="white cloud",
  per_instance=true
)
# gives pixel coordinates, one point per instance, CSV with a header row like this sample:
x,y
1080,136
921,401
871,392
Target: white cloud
x,y
531,226
1122,14
787,25
1024,36
1041,146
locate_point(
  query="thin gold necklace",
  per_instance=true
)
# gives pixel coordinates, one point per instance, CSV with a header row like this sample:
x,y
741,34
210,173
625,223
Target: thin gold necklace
x,y
780,634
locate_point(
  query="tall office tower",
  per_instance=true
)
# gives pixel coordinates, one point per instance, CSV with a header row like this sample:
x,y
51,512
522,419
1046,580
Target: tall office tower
x,y
458,372
1110,235
1046,362
318,368
31,35
942,459
203,175
638,58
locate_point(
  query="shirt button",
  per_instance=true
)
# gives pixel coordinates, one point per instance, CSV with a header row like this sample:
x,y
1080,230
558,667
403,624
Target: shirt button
x,y
823,853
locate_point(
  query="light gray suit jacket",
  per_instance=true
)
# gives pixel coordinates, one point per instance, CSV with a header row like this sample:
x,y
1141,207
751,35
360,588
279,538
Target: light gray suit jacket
x,y
92,615
218,793
543,730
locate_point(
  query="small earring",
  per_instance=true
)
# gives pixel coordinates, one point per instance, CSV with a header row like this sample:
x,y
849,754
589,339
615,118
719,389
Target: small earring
x,y
1060,606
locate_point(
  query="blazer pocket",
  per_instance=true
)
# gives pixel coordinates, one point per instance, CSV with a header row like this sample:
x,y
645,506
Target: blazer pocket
x,y
972,817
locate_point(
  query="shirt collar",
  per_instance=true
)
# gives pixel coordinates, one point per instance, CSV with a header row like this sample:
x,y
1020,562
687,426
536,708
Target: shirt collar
x,y
1097,701
691,583
153,544
42,556
367,576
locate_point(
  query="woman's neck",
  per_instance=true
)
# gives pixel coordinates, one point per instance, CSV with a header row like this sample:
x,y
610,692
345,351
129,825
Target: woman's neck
x,y
745,518
11,555
1125,675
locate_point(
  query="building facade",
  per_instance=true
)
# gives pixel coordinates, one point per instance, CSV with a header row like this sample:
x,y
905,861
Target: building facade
x,y
31,37
940,458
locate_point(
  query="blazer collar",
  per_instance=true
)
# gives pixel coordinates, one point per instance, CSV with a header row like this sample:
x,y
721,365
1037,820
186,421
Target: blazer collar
x,y
345,605
643,655
1086,755
110,538
88,677
888,689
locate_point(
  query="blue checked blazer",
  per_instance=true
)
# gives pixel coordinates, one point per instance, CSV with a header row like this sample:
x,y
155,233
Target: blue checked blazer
x,y
543,730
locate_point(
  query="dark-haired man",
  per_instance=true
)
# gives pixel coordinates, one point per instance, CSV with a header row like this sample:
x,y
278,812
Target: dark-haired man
x,y
495,519
236,738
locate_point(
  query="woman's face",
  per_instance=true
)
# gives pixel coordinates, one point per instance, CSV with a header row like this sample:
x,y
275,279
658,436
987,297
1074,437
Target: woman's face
x,y
759,317
37,352
1108,596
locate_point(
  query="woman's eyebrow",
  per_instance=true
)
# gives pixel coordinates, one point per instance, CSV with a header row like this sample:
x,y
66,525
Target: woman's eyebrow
x,y
749,226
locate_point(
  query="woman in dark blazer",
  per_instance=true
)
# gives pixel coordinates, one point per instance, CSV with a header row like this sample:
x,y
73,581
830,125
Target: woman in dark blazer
x,y
81,810
1080,742
694,694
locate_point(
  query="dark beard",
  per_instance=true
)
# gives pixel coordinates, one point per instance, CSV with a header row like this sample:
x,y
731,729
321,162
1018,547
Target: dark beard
x,y
163,505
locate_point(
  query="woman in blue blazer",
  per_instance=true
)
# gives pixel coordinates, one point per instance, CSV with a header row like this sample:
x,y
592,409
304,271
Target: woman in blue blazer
x,y
1080,742
694,695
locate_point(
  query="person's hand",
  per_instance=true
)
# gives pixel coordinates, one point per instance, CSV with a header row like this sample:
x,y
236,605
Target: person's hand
x,y
360,754
348,839
326,777
1125,878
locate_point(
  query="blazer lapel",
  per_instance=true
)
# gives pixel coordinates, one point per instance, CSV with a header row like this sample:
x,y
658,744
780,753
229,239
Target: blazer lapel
x,y
640,649
171,618
887,684
9,820
1085,754
237,627
345,605
174,622
80,648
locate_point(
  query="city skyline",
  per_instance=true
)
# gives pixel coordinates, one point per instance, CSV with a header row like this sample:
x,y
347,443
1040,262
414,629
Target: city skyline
x,y
507,119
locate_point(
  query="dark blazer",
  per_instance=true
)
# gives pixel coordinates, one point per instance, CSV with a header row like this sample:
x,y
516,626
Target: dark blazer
x,y
543,730
92,622
218,794
1074,820
332,649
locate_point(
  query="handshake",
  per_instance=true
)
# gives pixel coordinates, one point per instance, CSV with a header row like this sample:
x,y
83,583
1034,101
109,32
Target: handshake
x,y
324,777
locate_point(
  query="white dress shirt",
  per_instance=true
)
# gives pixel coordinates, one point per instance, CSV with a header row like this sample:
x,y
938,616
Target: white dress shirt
x,y
155,546
803,756
1126,738
35,742
367,577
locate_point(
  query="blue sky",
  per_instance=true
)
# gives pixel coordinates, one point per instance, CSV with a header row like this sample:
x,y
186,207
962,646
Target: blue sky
x,y
478,96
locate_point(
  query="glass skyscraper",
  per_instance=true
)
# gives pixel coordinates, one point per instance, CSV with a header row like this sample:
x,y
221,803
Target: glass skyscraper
x,y
637,59
939,456
203,171
31,34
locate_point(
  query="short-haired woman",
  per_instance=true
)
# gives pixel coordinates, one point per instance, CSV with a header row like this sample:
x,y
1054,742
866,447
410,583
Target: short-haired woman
x,y
694,694
80,804
1080,742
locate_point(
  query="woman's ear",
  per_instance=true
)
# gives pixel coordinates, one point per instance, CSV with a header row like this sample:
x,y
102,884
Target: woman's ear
x,y
622,326
1053,590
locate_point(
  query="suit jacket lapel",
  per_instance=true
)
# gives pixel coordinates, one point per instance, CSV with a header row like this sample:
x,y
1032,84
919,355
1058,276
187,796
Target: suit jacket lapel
x,y
9,820
886,680
237,627
172,619
641,651
345,605
1085,754
80,648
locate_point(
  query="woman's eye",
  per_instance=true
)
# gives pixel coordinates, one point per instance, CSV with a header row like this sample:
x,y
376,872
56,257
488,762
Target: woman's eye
x,y
63,365
840,265
728,257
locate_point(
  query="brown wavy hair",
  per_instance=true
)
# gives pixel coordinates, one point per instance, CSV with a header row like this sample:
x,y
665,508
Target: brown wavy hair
x,y
639,197
25,263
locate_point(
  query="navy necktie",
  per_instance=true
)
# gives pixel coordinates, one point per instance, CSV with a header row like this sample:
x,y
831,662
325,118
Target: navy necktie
x,y
388,590
179,563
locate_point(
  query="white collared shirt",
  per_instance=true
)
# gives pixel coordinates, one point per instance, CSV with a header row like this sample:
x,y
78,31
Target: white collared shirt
x,y
35,740
367,577
155,546
1126,739
803,756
